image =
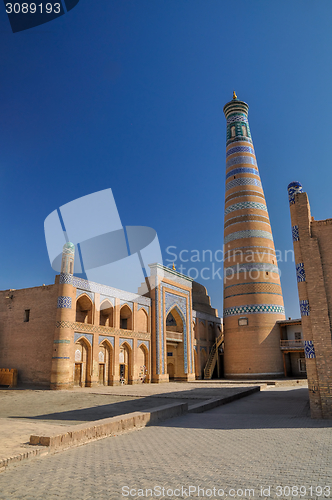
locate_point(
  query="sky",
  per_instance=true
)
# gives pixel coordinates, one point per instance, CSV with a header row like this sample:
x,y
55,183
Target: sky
x,y
129,95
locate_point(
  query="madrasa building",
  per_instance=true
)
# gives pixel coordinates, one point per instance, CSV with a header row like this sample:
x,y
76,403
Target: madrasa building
x,y
80,333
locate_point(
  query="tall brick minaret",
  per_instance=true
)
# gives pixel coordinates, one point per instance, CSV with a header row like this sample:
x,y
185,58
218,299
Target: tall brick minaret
x,y
253,299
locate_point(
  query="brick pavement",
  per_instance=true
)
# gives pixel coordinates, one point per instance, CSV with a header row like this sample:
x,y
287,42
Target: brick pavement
x,y
264,440
26,411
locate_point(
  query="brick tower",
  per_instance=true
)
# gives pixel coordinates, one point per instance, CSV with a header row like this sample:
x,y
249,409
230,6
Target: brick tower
x,y
253,299
63,345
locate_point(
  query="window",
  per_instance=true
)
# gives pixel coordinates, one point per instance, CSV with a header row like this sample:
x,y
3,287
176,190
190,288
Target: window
x,y
298,335
124,323
26,315
302,367
243,321
244,131
233,131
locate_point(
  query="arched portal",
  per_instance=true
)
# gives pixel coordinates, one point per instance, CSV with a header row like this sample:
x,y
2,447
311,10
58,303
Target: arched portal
x,y
142,320
82,367
175,326
125,363
142,360
105,358
106,313
126,318
84,309
203,359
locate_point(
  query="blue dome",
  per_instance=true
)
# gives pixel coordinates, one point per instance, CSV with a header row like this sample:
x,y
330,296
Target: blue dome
x,y
293,189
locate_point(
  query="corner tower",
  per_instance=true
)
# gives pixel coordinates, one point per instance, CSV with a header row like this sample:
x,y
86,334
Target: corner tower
x,y
253,299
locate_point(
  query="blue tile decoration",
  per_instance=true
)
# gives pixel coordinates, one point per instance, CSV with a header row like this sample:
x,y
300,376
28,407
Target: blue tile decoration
x,y
252,266
139,306
247,217
300,272
105,337
107,297
61,341
129,341
254,309
248,233
245,204
242,170
241,160
172,300
237,123
66,279
129,304
109,291
248,220
304,308
237,118
295,233
60,357
309,349
244,181
293,188
240,149
84,292
144,342
87,336
187,325
64,302
244,192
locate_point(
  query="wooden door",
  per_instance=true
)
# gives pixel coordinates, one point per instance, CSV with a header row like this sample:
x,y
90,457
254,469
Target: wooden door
x,y
77,377
101,373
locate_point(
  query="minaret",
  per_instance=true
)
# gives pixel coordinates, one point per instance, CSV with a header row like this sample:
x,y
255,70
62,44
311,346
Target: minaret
x,y
252,293
62,376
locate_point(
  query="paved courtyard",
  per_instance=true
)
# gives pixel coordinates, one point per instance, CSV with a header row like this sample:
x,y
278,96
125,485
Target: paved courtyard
x,y
260,446
25,411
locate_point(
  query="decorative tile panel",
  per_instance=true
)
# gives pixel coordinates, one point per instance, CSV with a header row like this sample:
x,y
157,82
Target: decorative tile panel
x,y
88,336
238,139
244,181
129,304
300,272
309,349
139,306
304,308
172,300
248,233
295,233
144,342
129,341
84,327
254,309
242,170
104,337
107,297
237,118
240,149
241,160
64,302
66,279
252,266
89,294
244,205
293,189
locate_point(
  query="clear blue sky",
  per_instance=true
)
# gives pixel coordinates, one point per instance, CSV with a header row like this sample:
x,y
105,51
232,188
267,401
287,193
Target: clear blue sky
x,y
128,94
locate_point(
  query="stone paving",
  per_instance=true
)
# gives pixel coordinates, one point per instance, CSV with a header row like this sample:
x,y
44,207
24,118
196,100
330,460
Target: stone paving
x,y
26,411
266,440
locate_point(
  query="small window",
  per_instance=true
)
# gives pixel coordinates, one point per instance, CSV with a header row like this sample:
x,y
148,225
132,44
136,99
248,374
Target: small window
x,y
298,335
267,273
243,321
244,131
123,323
169,354
234,176
26,315
302,367
233,131
71,268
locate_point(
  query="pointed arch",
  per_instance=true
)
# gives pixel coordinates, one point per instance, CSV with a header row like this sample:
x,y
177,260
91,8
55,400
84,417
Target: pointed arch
x,y
175,313
125,362
106,362
126,317
82,372
142,320
106,316
84,308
